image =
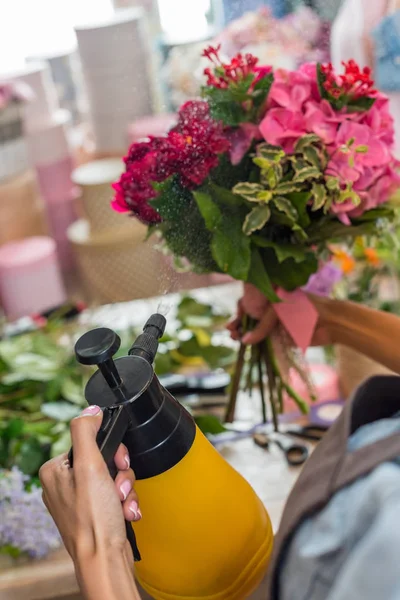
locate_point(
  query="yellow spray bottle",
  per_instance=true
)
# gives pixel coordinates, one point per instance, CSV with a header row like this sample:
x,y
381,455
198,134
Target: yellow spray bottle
x,y
205,535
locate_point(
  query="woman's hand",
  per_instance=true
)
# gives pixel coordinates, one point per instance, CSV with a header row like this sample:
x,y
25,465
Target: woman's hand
x,y
88,507
254,304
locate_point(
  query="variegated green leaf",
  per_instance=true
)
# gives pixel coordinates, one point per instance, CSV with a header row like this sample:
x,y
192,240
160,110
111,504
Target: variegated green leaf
x,y
332,183
271,153
312,156
272,176
263,163
349,195
306,140
288,187
319,196
248,190
328,204
256,219
307,174
264,196
284,205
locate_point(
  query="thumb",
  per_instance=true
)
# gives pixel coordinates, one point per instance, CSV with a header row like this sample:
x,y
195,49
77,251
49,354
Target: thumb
x,y
263,328
84,430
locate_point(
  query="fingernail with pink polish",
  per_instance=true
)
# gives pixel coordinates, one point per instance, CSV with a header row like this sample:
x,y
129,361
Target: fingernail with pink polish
x,y
127,460
125,488
135,511
91,411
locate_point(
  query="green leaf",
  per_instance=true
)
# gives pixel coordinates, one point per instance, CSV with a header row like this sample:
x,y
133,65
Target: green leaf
x,y
258,276
208,209
263,163
261,90
284,205
60,411
319,196
230,113
300,201
287,187
306,141
172,200
62,445
256,219
72,391
374,214
360,104
271,153
306,174
248,190
31,455
209,424
333,184
312,156
300,234
289,274
231,248
282,251
265,196
224,196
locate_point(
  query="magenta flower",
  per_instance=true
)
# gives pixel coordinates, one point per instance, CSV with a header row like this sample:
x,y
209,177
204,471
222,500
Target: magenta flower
x,y
282,127
291,89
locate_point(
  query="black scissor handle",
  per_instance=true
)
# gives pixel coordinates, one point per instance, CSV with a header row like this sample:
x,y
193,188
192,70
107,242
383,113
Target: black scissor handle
x,y
313,433
295,454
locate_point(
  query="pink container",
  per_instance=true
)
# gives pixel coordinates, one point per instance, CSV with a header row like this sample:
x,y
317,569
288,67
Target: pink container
x,y
60,216
55,180
156,125
30,279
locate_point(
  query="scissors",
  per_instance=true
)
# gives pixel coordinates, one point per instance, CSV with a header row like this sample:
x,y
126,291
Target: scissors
x,y
295,454
314,433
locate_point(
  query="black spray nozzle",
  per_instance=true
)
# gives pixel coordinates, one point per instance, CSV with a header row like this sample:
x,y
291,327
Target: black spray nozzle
x,y
146,345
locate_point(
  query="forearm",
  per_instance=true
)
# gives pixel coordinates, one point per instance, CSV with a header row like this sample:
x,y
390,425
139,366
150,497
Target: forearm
x,y
106,576
373,333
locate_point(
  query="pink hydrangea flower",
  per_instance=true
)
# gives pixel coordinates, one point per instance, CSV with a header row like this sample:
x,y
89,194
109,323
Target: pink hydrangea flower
x,y
283,127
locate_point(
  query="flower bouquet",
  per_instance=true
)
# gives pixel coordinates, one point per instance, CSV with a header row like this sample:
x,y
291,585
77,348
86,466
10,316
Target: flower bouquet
x,y
259,178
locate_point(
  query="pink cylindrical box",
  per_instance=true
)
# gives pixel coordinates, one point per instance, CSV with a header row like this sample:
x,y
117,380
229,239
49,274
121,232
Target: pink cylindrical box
x,y
60,216
30,279
55,182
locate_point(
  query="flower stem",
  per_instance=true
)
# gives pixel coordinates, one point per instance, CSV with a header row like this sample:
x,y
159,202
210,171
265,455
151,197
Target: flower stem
x,y
237,376
265,350
261,386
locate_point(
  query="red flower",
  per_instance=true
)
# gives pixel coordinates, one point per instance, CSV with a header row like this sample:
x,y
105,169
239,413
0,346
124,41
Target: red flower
x,y
200,140
223,75
190,150
353,84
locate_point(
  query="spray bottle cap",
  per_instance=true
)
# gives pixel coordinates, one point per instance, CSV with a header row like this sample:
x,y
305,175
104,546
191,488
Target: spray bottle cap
x,y
146,345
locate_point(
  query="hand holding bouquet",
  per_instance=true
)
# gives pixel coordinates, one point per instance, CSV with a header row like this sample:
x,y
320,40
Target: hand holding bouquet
x,y
261,176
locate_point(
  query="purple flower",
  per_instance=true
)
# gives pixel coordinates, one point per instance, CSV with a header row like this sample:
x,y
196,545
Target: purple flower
x,y
25,524
323,282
